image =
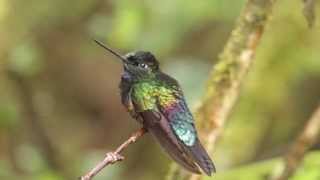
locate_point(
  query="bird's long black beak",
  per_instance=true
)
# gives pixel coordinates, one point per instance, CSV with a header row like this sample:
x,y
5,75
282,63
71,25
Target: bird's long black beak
x,y
124,60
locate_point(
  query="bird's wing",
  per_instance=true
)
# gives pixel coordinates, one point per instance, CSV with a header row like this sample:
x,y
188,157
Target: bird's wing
x,y
144,103
165,114
174,108
181,123
159,127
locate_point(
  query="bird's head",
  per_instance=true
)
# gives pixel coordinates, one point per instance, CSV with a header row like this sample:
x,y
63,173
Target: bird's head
x,y
139,63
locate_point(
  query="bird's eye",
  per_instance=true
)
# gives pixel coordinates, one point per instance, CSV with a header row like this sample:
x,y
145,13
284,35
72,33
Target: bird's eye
x,y
143,65
136,63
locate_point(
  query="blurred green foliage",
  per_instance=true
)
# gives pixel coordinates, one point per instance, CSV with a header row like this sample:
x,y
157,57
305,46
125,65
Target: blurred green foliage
x,y
74,91
263,170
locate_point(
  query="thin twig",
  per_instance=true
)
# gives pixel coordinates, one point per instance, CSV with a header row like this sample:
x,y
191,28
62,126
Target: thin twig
x,y
113,157
302,144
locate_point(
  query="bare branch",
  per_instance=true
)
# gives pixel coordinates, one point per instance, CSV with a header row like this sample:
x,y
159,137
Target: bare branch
x,y
302,144
113,157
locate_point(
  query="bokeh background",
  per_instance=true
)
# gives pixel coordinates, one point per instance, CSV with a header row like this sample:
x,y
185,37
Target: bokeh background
x,y
60,107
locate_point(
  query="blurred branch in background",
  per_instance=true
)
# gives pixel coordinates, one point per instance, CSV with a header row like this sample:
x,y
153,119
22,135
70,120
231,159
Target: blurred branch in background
x,y
227,75
34,125
261,170
113,157
309,11
303,143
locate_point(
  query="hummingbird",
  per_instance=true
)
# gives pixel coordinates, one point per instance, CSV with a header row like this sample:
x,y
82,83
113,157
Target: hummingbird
x,y
157,102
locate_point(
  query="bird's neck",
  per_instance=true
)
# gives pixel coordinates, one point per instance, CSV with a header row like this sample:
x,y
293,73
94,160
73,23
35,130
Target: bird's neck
x,y
136,78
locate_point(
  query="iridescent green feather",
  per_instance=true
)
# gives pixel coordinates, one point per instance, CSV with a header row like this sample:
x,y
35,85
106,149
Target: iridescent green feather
x,y
143,94
149,95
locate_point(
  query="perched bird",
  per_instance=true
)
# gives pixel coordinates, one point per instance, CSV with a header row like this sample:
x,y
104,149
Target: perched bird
x,y
156,101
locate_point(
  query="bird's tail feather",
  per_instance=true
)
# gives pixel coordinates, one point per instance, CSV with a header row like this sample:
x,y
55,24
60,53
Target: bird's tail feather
x,y
201,157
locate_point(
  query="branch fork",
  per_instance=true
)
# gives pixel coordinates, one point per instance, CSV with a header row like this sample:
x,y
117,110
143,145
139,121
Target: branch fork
x,y
113,157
